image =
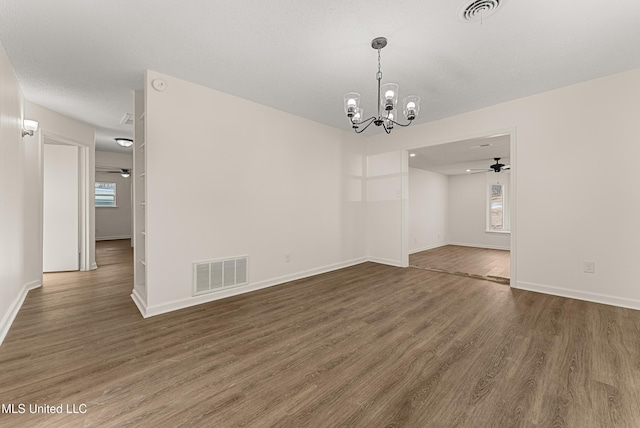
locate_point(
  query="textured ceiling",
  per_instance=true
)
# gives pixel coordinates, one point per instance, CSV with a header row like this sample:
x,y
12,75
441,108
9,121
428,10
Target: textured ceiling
x,y
83,58
456,157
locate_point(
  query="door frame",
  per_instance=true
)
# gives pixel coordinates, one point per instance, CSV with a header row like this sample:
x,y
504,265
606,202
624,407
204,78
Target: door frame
x,y
85,197
512,132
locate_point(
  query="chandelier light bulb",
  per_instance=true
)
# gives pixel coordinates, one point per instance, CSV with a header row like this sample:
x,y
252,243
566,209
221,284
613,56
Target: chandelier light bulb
x,y
351,103
389,96
351,106
390,119
411,106
356,120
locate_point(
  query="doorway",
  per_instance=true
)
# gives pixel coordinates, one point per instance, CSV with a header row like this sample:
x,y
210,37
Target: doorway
x,y
451,219
66,204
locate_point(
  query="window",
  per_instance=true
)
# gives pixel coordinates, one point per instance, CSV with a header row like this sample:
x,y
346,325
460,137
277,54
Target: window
x,y
497,207
105,194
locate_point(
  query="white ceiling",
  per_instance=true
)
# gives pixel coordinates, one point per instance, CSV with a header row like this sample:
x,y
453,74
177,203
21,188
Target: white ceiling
x,y
83,58
455,158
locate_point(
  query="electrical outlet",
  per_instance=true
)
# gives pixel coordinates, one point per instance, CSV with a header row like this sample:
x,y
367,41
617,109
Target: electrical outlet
x,y
287,257
588,266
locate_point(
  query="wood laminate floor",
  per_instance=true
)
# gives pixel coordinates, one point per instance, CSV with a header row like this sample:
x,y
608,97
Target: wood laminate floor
x,y
365,346
478,262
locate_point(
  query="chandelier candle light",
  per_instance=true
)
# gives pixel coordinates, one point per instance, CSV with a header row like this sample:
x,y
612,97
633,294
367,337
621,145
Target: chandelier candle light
x,y
387,102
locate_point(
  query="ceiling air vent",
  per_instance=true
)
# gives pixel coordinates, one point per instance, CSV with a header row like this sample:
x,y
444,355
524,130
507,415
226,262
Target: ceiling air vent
x,y
481,146
479,9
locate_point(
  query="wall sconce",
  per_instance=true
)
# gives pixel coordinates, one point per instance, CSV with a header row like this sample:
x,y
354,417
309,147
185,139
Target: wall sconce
x,y
124,142
29,127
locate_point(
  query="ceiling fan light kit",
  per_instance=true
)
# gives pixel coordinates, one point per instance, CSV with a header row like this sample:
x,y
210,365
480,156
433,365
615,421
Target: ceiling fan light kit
x,y
387,102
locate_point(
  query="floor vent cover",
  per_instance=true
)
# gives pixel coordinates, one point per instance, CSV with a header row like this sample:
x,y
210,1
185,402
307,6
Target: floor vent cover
x,y
216,275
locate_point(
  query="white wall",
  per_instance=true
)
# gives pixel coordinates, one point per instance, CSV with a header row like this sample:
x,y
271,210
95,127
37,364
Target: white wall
x,y
32,217
468,212
114,223
18,161
21,190
277,184
428,210
385,177
58,127
568,208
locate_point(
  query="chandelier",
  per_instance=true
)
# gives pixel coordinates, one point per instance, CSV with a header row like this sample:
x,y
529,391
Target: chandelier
x,y
387,102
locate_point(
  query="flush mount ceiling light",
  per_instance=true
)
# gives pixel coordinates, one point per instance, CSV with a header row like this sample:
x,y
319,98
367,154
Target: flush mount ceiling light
x,y
387,102
124,142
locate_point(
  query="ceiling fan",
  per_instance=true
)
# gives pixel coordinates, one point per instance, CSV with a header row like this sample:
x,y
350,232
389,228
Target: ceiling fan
x,y
125,172
496,167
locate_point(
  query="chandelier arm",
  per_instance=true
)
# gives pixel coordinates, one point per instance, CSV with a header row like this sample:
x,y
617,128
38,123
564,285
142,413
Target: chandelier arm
x,y
370,120
362,121
400,124
387,130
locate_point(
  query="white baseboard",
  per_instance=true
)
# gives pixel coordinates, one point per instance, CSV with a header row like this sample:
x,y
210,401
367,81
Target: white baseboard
x,y
588,296
396,263
112,238
139,300
149,311
428,247
94,266
10,316
490,247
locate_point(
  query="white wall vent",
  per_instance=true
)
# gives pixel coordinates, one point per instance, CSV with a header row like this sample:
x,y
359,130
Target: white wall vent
x,y
216,275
